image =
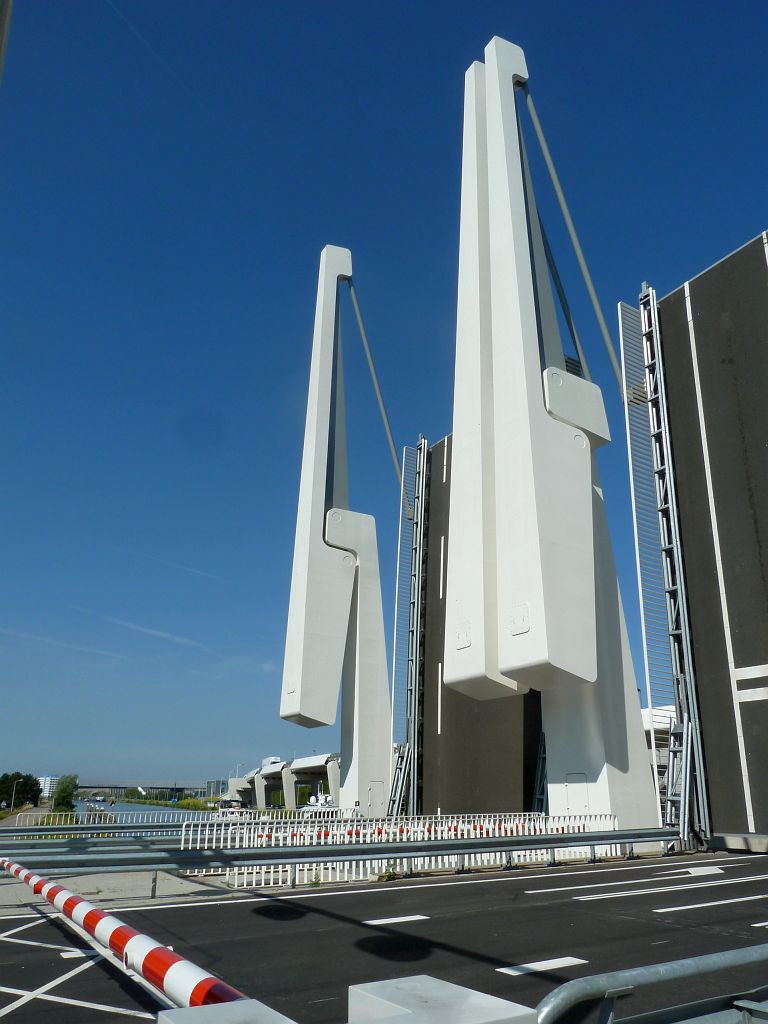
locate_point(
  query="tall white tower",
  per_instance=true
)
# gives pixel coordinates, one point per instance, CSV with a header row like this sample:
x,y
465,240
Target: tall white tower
x,y
335,634
532,598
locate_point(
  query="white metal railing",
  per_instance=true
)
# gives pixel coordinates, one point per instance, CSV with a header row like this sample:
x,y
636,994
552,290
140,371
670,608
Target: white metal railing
x,y
160,816
308,831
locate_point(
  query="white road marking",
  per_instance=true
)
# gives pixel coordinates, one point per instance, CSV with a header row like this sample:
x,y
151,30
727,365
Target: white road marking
x,y
541,965
79,1002
38,914
591,885
21,928
397,920
28,996
671,888
373,890
43,945
686,873
761,924
713,903
77,954
235,900
690,872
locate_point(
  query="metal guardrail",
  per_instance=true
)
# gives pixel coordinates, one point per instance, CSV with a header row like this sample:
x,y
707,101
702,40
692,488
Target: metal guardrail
x,y
605,988
68,859
403,829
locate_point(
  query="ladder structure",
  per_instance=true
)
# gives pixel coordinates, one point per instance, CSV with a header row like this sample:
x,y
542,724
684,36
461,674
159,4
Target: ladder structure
x,y
416,626
400,777
683,798
678,776
540,802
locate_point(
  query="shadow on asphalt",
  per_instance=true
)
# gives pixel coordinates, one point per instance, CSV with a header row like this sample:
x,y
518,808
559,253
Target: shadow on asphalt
x,y
384,941
281,912
398,948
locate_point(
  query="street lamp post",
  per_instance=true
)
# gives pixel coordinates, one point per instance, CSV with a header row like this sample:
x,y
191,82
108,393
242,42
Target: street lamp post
x,y
13,792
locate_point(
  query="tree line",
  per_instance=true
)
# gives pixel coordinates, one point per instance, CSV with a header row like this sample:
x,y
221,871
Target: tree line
x,y
18,789
27,789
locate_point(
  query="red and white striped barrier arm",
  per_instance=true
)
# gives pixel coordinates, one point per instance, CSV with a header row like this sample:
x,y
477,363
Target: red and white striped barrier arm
x,y
179,980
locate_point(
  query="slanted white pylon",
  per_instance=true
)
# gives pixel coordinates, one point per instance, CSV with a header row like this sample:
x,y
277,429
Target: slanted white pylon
x,y
335,634
531,593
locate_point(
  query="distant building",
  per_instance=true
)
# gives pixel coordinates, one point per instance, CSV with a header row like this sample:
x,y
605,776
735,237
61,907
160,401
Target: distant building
x,y
215,787
48,784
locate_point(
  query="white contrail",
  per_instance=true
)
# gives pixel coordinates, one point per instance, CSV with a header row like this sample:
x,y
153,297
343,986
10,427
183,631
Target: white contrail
x,y
60,643
184,568
182,641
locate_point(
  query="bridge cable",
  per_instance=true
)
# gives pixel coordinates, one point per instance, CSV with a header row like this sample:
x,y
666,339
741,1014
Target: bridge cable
x,y
379,399
609,347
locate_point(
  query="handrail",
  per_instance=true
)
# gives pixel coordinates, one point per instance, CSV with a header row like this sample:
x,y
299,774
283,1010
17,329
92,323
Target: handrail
x,y
140,858
178,980
614,983
15,831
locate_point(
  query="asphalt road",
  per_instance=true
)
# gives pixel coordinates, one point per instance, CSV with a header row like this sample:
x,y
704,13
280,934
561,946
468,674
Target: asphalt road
x,y
516,935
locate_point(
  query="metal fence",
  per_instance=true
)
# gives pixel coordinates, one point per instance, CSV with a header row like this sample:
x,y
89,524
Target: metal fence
x,y
160,816
305,831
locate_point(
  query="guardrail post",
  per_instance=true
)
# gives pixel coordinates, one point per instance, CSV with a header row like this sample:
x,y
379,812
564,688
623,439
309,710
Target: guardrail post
x,y
153,886
460,865
592,855
552,862
292,876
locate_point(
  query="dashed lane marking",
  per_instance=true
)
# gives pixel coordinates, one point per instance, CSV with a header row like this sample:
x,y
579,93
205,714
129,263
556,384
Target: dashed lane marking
x,y
398,920
690,872
541,965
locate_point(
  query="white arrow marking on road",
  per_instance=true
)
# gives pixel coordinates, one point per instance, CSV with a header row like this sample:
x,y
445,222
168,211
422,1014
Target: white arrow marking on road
x,y
689,872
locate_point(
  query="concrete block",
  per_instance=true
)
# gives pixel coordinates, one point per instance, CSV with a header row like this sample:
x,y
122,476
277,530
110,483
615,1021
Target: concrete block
x,y
425,1000
244,1011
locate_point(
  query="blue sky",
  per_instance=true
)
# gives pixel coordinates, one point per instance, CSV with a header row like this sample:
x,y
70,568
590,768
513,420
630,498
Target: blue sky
x,y
169,175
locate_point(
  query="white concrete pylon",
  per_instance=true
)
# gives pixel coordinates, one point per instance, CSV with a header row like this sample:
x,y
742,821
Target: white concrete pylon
x,y
531,593
335,633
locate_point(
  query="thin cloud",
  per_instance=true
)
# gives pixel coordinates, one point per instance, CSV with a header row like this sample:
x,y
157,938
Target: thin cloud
x,y
182,641
184,568
52,642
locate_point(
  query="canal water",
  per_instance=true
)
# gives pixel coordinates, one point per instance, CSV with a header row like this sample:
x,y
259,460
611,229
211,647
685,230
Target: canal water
x,y
179,814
